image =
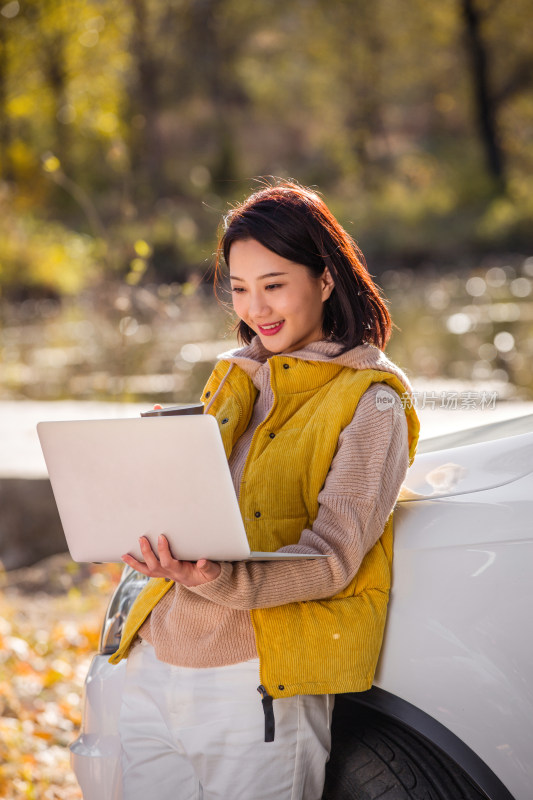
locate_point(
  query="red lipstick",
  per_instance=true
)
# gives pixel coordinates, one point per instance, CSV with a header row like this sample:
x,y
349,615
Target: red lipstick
x,y
271,330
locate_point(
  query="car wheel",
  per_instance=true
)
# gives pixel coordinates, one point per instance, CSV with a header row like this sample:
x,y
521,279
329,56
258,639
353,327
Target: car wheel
x,y
373,757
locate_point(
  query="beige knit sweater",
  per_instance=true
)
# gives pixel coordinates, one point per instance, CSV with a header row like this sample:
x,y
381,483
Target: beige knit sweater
x,y
210,625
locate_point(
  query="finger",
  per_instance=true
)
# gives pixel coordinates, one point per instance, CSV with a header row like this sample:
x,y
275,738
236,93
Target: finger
x,y
163,548
150,559
139,566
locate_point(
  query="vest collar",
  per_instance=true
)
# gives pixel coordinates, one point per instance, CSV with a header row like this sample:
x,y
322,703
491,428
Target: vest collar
x,y
365,356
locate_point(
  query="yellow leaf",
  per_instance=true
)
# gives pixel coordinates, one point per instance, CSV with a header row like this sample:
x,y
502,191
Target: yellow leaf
x,y
142,248
51,163
46,735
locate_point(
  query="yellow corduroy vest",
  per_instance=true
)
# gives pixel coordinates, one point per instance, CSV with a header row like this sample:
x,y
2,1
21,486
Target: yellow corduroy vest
x,y
315,647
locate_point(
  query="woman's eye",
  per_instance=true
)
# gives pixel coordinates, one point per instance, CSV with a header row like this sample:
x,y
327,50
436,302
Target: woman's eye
x,y
268,287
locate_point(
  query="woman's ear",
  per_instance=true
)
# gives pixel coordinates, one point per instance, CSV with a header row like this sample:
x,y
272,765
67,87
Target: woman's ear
x,y
328,284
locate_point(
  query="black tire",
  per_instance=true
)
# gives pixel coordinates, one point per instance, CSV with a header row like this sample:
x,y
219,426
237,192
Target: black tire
x,y
373,757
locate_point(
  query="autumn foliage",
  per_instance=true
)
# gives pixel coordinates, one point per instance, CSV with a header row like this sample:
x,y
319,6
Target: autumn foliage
x,y
50,619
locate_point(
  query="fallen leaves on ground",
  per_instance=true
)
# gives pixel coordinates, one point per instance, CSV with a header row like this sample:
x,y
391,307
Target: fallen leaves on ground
x,y
50,620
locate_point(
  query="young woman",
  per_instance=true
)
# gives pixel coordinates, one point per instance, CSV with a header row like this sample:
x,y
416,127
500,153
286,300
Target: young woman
x,y
319,437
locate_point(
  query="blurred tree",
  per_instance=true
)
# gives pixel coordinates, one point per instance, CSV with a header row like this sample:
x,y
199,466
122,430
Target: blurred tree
x,y
6,166
150,115
216,33
486,105
214,53
56,25
147,152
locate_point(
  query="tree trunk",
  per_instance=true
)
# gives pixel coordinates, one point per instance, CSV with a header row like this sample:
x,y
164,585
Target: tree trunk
x,y
148,150
6,166
55,71
214,49
486,109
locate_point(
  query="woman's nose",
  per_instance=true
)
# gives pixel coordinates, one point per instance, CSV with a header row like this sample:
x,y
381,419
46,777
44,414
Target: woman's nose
x,y
258,305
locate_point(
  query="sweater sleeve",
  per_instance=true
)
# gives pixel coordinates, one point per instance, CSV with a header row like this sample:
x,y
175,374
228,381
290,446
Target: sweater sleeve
x,y
359,493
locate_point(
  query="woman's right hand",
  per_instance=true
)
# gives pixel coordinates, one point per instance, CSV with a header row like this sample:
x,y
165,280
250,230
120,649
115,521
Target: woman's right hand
x,y
164,565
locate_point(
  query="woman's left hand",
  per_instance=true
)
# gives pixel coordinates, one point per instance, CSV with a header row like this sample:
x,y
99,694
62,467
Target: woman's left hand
x,y
164,565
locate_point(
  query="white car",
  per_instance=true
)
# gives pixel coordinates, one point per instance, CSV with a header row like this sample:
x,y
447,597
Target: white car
x,y
450,716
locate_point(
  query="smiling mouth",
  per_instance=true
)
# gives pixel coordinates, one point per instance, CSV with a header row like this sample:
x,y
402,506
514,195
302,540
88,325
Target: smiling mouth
x,y
270,330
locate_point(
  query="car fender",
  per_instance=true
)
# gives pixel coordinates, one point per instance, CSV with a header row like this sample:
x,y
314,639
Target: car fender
x,y
456,646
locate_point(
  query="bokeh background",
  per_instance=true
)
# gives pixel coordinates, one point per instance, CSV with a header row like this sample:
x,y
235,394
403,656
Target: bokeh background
x,y
127,130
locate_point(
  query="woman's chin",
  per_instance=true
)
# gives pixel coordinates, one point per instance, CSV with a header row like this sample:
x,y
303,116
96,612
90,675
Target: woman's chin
x,y
270,343
271,347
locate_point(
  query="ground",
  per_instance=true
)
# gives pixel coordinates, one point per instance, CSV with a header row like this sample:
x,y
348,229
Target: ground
x,y
50,619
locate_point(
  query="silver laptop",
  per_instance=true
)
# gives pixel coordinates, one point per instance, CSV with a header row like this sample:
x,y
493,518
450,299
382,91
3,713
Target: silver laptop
x,y
117,480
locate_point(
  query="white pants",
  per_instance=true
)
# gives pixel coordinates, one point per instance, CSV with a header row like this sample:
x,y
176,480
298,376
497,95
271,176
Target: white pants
x,y
198,734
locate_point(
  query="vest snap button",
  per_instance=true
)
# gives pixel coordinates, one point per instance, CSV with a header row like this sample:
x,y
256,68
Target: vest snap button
x,y
208,394
272,435
224,421
257,514
281,687
285,366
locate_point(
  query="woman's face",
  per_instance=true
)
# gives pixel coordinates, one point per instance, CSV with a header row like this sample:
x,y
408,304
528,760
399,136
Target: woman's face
x,y
278,299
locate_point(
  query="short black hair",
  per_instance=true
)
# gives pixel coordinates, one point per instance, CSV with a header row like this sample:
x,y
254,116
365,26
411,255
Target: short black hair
x,y
295,223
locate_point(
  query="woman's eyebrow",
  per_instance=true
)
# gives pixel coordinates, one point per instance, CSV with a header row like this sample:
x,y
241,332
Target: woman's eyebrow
x,y
260,277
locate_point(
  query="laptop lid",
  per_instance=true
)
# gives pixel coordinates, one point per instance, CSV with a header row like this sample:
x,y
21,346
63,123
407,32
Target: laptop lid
x,y
117,480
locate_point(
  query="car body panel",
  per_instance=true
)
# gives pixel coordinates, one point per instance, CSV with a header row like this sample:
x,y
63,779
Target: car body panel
x,y
469,468
457,644
95,755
